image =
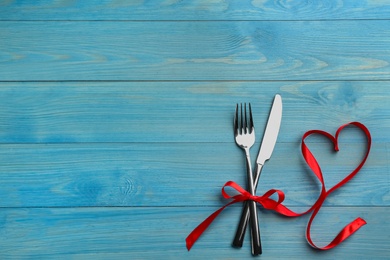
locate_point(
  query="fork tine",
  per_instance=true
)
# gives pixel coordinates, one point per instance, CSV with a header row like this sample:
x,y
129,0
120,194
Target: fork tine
x,y
250,119
236,121
241,121
246,121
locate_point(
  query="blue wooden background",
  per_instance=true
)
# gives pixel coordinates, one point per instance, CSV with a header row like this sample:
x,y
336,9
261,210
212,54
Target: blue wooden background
x,y
116,124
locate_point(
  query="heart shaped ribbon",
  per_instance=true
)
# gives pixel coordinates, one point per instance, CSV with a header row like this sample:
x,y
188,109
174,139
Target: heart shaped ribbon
x,y
352,227
277,206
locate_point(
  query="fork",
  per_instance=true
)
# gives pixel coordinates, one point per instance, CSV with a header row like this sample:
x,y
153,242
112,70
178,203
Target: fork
x,y
244,133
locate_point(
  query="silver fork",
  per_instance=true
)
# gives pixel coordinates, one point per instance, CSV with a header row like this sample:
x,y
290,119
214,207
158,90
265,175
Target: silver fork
x,y
244,133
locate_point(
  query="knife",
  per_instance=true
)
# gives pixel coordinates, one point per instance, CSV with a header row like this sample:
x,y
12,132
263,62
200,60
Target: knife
x,y
265,152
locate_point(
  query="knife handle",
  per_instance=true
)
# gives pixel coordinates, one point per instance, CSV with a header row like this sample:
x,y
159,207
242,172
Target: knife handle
x,y
241,228
255,231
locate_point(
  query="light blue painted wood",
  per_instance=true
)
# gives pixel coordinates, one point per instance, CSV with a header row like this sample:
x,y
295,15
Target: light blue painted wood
x,y
193,10
150,233
91,92
52,112
268,50
179,174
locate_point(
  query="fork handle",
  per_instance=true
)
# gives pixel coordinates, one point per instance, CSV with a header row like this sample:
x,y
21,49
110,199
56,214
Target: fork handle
x,y
241,228
255,232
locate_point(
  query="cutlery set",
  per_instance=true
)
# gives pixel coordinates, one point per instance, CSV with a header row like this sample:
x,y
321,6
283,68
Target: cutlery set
x,y
244,133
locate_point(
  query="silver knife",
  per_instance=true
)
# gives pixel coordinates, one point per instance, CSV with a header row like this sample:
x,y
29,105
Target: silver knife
x,y
269,137
265,152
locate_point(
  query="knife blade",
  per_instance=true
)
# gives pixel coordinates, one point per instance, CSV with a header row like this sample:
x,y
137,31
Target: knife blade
x,y
270,136
266,148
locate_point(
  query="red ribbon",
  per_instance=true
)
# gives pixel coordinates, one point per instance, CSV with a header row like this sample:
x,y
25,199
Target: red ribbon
x,y
277,206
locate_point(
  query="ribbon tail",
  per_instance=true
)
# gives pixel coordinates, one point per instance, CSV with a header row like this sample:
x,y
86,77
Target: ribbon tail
x,y
198,231
346,232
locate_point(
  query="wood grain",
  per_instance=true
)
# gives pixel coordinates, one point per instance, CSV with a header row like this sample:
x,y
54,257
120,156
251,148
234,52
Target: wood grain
x,y
196,10
268,50
76,112
146,233
182,174
116,116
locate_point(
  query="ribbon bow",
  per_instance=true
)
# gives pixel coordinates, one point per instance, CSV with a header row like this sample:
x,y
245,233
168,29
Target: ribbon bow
x,y
277,206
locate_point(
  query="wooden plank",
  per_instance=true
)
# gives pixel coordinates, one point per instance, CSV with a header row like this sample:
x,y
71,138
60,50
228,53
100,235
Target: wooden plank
x,y
39,51
193,10
149,233
56,112
179,174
